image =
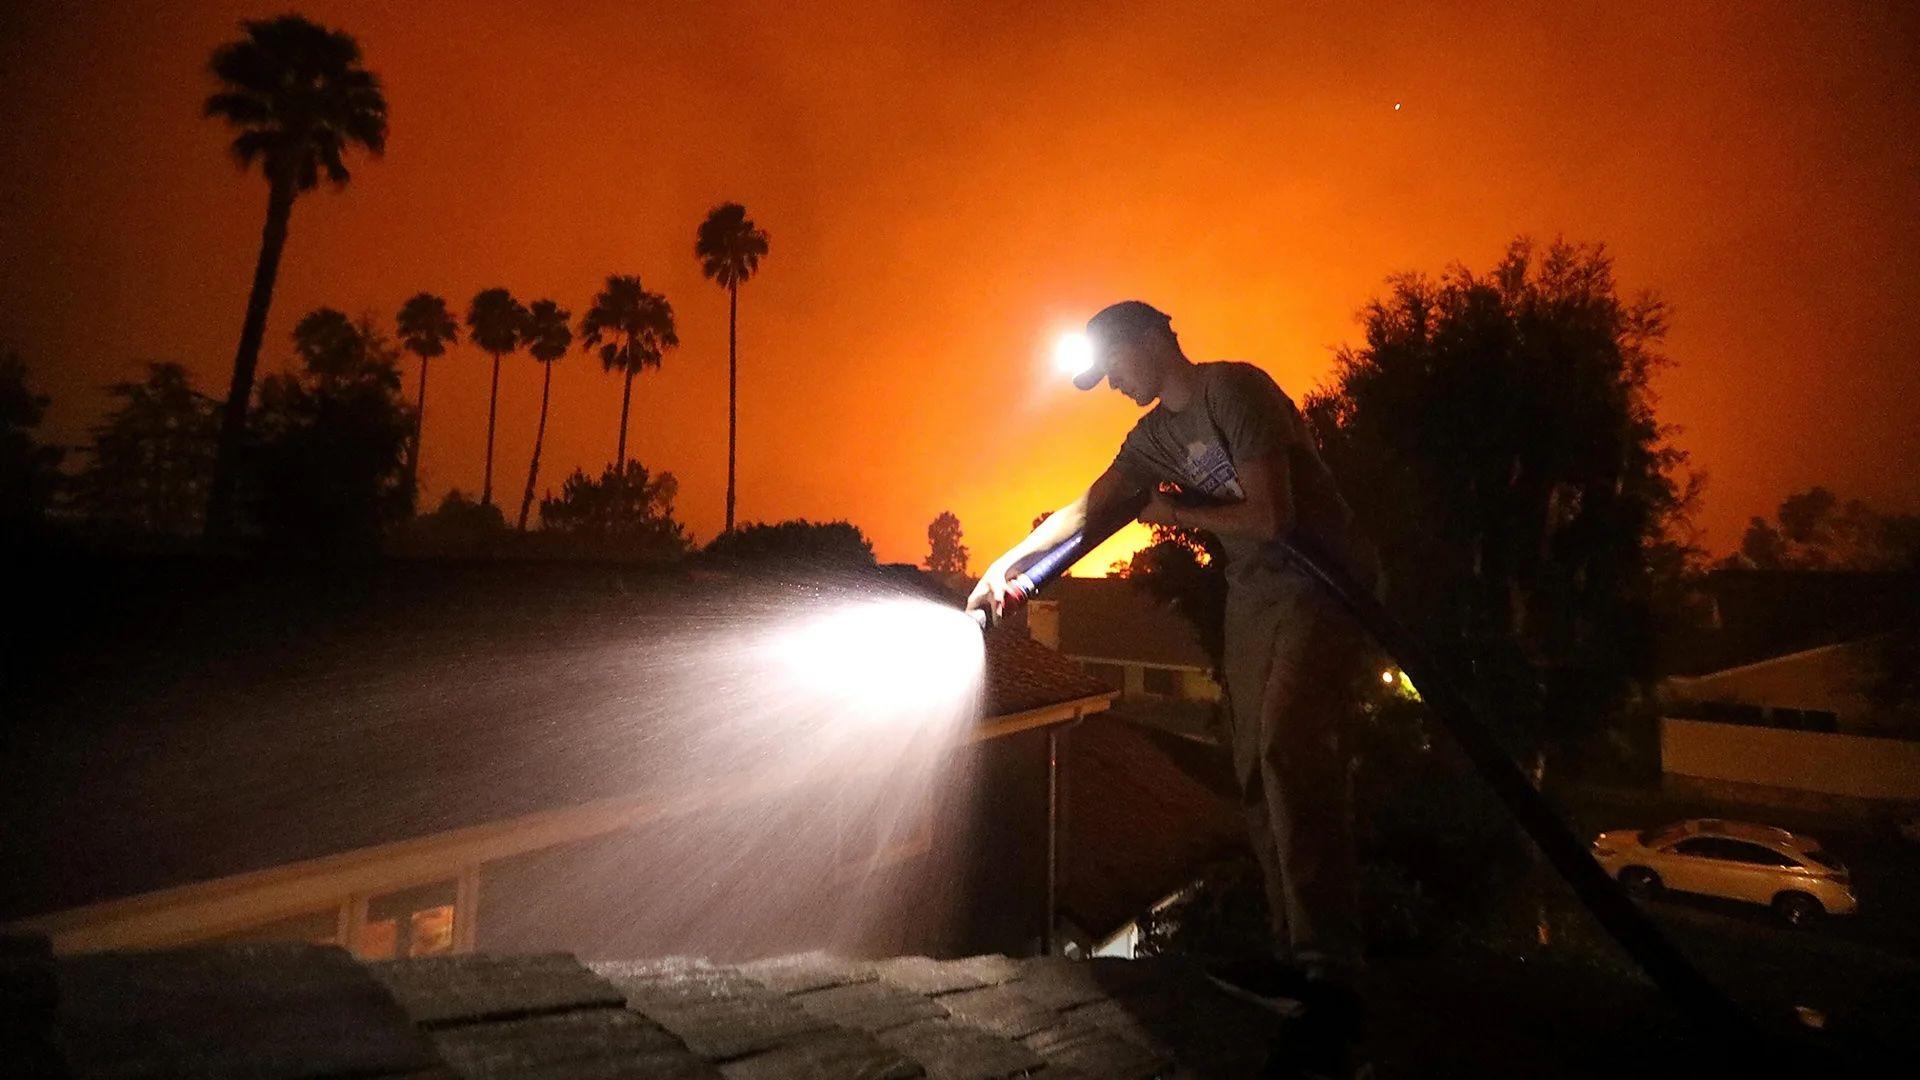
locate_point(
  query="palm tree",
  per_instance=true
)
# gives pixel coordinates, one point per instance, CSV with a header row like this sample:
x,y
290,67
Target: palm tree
x,y
547,336
426,329
494,322
632,329
297,96
730,247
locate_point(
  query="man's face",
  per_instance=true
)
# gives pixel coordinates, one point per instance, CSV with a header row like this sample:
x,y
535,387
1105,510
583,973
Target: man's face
x,y
1133,369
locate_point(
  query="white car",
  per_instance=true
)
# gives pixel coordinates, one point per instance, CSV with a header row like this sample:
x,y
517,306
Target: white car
x,y
1733,859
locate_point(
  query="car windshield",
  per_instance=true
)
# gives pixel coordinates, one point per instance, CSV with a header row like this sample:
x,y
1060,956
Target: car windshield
x,y
1662,836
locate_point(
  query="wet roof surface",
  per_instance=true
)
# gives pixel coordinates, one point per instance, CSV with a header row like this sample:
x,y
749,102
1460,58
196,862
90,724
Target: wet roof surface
x,y
180,755
291,1010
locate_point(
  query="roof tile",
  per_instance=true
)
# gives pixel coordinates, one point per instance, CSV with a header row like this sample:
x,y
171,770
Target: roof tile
x,y
1059,983
934,977
1000,1009
950,1051
242,1010
869,1006
808,971
443,990
830,1055
600,1042
1096,1052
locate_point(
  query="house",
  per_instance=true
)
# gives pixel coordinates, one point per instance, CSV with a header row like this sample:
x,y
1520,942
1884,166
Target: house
x,y
449,758
1773,703
1144,650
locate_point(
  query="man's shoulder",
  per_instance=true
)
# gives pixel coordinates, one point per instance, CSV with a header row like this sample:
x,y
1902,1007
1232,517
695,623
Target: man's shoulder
x,y
1244,381
1235,373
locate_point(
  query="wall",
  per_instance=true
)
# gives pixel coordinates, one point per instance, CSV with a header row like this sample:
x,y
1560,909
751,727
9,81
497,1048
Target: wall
x,y
1857,766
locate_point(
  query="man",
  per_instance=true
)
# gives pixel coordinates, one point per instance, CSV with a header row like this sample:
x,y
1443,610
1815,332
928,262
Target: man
x,y
1226,452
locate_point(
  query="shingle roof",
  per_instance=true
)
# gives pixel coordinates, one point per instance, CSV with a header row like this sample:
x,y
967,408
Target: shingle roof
x,y
289,1010
1145,813
1023,674
1112,618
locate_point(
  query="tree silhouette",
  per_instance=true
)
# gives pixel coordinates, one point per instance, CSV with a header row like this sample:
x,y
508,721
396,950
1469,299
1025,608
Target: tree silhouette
x,y
328,344
946,554
29,472
152,456
426,329
494,322
626,512
794,543
547,336
631,329
1817,531
299,99
1496,436
730,247
328,472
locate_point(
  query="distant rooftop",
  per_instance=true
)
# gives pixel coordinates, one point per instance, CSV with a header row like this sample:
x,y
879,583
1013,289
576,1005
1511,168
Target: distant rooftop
x,y
1114,619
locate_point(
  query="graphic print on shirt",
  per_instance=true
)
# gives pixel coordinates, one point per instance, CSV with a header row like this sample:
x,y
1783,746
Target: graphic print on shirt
x,y
1210,470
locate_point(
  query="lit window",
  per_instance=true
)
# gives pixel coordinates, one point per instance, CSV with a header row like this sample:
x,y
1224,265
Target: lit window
x,y
412,922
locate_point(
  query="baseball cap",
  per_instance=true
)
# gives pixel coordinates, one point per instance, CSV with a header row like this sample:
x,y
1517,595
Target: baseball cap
x,y
1128,320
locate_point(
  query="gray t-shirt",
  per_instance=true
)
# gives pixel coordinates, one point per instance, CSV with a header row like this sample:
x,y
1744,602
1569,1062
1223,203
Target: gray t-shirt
x,y
1237,414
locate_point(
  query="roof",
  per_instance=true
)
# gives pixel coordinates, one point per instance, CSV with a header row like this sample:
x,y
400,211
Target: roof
x,y
1023,675
1746,830
311,1011
1114,619
1146,812
185,722
1763,614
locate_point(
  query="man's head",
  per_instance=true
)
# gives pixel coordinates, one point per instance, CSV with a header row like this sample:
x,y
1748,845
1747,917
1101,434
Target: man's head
x,y
1133,349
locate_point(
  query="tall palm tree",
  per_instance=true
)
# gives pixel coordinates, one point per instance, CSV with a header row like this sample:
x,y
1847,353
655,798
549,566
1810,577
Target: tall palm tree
x,y
632,329
547,336
426,329
730,247
494,322
299,100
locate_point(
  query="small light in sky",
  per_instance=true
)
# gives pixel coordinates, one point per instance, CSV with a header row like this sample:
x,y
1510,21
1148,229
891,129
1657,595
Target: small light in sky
x,y
1387,677
1396,106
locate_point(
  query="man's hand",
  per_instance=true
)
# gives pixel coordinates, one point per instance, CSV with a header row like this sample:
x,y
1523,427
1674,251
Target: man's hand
x,y
1158,511
990,592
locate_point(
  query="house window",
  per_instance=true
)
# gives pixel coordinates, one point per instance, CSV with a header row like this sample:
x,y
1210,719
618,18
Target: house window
x,y
1162,681
413,922
1805,719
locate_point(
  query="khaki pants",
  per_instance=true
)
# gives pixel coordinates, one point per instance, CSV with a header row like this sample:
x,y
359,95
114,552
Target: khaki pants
x,y
1291,658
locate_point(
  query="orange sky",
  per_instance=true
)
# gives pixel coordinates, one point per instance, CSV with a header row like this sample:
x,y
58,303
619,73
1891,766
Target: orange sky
x,y
945,192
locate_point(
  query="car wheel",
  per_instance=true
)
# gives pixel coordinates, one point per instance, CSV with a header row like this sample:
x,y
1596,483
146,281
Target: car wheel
x,y
1798,909
1640,882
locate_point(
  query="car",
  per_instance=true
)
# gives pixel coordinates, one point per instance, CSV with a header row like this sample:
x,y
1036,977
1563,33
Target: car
x,y
1737,860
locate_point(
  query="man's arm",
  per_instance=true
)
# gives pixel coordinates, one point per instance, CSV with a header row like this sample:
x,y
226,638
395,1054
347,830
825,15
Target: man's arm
x,y
1106,497
1265,514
